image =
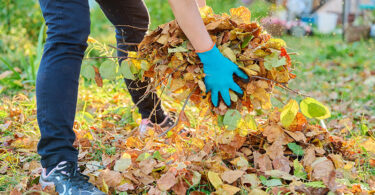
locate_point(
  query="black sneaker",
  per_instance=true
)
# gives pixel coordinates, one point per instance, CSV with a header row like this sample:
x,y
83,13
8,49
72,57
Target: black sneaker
x,y
68,180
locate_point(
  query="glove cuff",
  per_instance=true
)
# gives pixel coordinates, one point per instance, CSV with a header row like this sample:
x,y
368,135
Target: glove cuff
x,y
203,51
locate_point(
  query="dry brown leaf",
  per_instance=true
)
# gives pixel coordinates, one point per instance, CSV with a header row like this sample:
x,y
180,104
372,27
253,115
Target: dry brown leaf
x,y
251,179
147,166
337,160
111,178
154,191
231,176
297,135
273,132
281,163
309,158
262,161
125,187
321,168
275,150
166,181
180,187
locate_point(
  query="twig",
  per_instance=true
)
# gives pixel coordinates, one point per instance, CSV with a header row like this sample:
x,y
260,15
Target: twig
x,y
138,28
125,43
283,85
108,57
178,117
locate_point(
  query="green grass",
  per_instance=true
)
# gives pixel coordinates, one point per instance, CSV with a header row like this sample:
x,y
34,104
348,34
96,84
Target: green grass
x,y
337,73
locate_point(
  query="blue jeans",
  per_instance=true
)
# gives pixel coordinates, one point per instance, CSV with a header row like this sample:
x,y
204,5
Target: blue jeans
x,y
68,24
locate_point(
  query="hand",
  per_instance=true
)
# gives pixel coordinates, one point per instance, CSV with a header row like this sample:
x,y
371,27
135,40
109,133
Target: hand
x,y
219,72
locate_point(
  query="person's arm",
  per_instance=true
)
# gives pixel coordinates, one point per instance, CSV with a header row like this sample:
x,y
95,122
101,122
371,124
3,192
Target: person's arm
x,y
189,19
218,69
201,3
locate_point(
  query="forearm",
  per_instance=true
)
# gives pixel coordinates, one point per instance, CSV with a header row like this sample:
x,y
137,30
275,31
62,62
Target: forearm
x,y
189,19
201,3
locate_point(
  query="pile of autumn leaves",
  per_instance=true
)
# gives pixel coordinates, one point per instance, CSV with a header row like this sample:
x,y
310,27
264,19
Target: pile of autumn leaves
x,y
283,153
166,56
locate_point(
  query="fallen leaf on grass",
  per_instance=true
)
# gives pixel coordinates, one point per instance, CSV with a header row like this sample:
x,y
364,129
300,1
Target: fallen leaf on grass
x,y
111,178
123,163
232,176
166,181
281,163
273,132
251,179
214,179
125,187
262,161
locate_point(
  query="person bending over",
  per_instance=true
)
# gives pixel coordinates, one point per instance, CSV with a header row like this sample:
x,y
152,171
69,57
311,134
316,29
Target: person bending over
x,y
68,24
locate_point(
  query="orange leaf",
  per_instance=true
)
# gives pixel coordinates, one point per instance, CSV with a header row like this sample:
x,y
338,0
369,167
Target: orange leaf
x,y
240,15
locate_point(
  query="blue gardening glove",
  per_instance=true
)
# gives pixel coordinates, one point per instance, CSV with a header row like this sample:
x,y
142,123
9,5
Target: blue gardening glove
x,y
219,72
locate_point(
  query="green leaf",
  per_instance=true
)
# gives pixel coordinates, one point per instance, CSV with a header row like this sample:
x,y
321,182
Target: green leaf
x,y
125,70
273,61
312,108
144,156
364,129
3,114
315,184
271,182
145,65
289,112
157,156
87,70
177,49
108,70
298,170
231,119
246,41
296,149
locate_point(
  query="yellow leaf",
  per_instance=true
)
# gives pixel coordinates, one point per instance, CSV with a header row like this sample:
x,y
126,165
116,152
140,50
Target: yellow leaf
x,y
261,53
369,145
229,53
196,178
257,192
133,56
230,189
202,86
88,135
312,108
177,84
249,71
206,11
289,112
275,43
233,96
214,179
240,15
91,40
247,125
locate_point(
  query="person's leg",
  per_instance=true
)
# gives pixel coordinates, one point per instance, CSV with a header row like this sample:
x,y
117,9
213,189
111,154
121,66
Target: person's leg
x,y
131,21
68,25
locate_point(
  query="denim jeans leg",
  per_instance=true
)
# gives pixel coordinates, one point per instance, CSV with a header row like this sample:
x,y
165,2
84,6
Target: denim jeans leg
x,y
68,25
125,15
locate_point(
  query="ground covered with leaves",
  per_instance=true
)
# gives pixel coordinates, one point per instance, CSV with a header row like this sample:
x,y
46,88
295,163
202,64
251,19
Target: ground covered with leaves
x,y
261,151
